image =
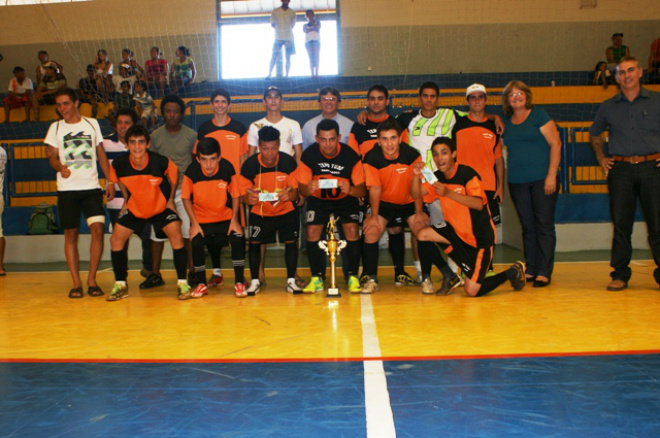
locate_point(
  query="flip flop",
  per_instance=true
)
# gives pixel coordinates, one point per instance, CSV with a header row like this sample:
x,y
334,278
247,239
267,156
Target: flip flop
x,y
94,291
76,292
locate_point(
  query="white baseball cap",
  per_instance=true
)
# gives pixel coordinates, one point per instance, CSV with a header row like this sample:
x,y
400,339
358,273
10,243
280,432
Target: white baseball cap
x,y
475,88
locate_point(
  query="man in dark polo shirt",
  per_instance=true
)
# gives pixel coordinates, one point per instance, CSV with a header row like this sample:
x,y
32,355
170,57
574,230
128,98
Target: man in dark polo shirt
x,y
632,118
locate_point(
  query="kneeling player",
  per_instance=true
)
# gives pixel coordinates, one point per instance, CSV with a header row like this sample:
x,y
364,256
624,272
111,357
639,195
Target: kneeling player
x,y
331,176
388,170
148,181
469,234
271,186
211,197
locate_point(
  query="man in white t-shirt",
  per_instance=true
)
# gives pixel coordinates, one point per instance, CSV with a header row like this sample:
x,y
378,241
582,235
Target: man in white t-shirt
x,y
74,145
290,138
283,20
19,94
290,133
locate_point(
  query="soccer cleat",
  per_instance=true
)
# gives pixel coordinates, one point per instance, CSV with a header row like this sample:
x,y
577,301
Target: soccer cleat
x,y
354,286
292,287
370,286
184,291
153,280
216,281
200,291
404,280
119,291
252,290
519,282
449,284
427,286
315,285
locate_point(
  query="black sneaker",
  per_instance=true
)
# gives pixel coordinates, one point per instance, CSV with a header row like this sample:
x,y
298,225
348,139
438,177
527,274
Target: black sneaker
x,y
449,284
519,282
153,280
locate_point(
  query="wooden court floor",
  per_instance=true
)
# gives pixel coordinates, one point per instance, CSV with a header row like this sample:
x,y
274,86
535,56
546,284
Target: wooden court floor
x,y
570,360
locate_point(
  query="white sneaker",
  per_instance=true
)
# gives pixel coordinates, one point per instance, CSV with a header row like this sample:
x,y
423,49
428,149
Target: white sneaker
x,y
427,286
255,288
292,287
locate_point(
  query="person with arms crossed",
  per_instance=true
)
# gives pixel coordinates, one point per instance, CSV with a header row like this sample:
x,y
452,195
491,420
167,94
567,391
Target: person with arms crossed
x,y
271,189
469,233
211,196
74,145
148,182
632,118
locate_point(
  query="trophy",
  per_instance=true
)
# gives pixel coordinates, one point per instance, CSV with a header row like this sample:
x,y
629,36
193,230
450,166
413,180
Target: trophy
x,y
332,247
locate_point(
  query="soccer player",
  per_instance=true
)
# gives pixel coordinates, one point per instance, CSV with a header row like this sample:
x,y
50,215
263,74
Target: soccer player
x,y
331,176
388,170
478,146
74,145
148,182
363,136
211,196
271,190
232,135
468,236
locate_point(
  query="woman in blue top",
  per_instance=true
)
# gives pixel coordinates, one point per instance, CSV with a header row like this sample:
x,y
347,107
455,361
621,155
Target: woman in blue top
x,y
534,150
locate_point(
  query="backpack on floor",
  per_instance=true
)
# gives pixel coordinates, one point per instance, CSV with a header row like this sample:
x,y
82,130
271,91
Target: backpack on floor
x,y
42,220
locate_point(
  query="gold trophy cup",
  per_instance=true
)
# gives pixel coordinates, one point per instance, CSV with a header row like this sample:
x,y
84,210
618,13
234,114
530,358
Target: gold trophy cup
x,y
332,248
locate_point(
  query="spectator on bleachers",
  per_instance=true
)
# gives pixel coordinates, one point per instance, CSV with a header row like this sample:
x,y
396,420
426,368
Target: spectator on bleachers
x,y
616,51
144,104
89,90
157,70
104,69
129,70
534,151
3,164
183,71
50,84
654,62
123,99
602,75
43,61
312,31
19,94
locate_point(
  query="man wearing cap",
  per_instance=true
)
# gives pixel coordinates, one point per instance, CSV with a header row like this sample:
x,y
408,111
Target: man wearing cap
x,y
616,51
329,99
632,118
478,146
50,84
290,133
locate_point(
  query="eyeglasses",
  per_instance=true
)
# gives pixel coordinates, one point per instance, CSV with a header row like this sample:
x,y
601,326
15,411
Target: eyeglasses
x,y
516,94
328,99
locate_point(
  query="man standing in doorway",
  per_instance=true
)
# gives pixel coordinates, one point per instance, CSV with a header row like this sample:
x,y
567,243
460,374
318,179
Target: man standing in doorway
x,y
283,20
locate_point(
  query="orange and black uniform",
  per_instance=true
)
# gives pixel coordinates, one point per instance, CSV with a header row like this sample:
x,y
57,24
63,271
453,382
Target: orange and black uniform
x,y
346,166
232,138
478,146
211,196
363,137
471,233
270,218
396,202
148,191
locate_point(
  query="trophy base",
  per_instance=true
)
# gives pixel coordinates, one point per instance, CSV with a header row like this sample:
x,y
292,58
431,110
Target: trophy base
x,y
333,292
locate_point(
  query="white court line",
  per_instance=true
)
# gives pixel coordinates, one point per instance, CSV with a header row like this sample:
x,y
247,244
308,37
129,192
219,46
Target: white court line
x,y
380,419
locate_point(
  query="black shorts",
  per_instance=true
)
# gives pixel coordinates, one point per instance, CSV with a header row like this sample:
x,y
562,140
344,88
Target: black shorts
x,y
214,233
474,261
396,214
347,210
263,229
71,203
494,207
159,221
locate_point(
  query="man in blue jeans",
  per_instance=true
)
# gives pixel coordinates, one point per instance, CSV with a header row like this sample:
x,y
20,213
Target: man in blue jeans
x,y
632,118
